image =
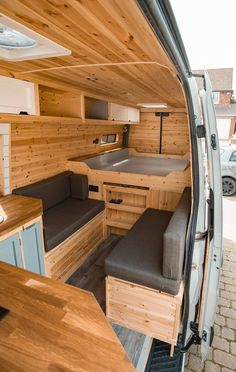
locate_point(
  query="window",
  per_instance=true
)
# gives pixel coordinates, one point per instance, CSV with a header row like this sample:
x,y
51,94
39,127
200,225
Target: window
x,y
216,97
109,139
233,156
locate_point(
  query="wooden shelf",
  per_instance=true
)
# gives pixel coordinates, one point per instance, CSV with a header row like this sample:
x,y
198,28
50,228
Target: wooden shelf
x,y
127,190
125,208
66,120
38,118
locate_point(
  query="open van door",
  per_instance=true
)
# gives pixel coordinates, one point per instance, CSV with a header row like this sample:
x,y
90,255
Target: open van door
x,y
213,253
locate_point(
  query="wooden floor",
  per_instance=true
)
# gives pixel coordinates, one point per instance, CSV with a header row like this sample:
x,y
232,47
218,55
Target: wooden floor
x,y
91,276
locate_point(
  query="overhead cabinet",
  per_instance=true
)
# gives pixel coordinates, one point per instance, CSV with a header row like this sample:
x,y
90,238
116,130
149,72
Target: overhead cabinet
x,y
123,113
103,110
18,96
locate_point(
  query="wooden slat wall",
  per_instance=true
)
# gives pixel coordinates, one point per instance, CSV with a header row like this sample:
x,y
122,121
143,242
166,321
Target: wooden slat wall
x,y
40,150
175,137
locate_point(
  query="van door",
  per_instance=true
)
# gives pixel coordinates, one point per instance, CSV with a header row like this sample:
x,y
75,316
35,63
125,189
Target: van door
x,y
213,253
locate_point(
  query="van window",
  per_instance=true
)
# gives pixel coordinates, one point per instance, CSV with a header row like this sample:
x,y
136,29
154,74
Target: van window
x,y
233,156
109,139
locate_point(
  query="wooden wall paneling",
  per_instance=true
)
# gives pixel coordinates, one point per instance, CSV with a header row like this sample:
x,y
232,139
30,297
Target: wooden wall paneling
x,y
175,136
54,102
165,200
66,258
40,150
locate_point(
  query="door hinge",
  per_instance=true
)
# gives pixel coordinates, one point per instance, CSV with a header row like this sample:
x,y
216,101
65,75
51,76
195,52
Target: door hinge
x,y
201,131
213,142
200,235
195,338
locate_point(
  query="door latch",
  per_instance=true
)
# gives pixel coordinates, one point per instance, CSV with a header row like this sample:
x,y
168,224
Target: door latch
x,y
213,142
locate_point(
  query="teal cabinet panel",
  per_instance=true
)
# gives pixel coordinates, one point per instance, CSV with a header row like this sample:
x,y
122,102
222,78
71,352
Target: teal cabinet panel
x,y
10,251
33,248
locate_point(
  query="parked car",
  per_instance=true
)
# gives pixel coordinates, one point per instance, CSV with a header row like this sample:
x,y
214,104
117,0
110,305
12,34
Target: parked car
x,y
228,170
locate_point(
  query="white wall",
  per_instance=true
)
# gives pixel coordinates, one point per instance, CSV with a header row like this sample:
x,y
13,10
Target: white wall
x,y
223,126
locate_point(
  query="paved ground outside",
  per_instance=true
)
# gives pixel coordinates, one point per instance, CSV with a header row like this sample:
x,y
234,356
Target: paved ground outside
x,y
222,357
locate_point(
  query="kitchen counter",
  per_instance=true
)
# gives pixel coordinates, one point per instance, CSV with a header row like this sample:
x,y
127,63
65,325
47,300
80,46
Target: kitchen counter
x,y
17,210
54,327
124,161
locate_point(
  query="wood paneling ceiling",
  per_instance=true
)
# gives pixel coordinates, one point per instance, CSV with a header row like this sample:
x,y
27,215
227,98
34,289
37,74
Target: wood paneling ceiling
x,y
108,38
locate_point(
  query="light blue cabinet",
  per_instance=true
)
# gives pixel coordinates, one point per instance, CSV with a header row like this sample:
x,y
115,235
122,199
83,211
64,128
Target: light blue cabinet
x,y
28,241
33,248
10,251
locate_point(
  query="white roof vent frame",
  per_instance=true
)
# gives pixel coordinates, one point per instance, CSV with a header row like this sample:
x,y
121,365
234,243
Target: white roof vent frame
x,y
41,47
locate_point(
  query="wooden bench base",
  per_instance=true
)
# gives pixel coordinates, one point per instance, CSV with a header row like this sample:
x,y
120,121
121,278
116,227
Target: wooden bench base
x,y
66,258
142,309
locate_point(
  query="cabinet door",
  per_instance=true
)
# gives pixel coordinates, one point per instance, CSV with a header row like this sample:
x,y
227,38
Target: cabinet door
x,y
10,251
17,95
133,114
118,112
33,248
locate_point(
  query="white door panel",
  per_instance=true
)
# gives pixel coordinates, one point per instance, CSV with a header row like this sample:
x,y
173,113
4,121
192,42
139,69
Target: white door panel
x,y
213,255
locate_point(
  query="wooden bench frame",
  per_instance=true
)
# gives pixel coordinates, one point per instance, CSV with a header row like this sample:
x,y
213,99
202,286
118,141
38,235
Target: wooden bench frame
x,y
145,310
66,258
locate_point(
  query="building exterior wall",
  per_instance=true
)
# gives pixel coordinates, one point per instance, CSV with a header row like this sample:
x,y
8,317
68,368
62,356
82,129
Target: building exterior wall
x,y
225,98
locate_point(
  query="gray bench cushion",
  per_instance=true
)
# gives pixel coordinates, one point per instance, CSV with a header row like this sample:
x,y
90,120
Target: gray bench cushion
x,y
65,218
174,238
138,256
52,190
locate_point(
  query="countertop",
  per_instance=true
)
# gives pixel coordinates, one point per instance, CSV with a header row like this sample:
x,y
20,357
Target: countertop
x,y
18,210
122,161
52,326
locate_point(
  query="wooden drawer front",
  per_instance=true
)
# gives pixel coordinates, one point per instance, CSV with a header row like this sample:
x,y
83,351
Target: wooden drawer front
x,y
143,309
63,260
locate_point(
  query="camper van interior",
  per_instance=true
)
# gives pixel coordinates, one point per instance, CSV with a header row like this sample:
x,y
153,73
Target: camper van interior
x,y
95,186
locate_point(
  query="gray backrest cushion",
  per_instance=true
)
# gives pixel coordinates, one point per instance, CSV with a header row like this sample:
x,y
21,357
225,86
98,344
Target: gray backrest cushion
x,y
174,238
79,186
52,190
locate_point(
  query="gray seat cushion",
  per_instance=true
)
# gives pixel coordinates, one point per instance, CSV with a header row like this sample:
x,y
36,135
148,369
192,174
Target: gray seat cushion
x,y
52,190
65,218
138,256
79,186
174,238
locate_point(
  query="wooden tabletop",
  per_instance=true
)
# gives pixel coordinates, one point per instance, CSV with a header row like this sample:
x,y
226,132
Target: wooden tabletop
x,y
18,210
54,327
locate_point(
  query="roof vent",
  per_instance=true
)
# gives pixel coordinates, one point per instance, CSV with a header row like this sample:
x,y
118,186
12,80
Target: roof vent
x,y
19,43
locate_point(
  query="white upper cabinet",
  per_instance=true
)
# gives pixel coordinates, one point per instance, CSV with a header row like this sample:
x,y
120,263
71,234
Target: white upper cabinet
x,y
133,114
18,95
123,113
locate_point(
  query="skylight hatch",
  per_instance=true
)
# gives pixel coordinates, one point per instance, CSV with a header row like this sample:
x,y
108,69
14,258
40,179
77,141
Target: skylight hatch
x,y
18,43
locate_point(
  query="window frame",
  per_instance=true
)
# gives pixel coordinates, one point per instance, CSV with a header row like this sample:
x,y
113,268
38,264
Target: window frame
x,y
107,141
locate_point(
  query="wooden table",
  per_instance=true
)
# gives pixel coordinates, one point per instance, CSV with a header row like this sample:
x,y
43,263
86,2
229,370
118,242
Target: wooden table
x,y
54,327
17,210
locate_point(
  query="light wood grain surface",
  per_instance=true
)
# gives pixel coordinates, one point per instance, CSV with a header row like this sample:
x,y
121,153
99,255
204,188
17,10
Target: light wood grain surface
x,y
18,210
40,150
110,39
54,327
